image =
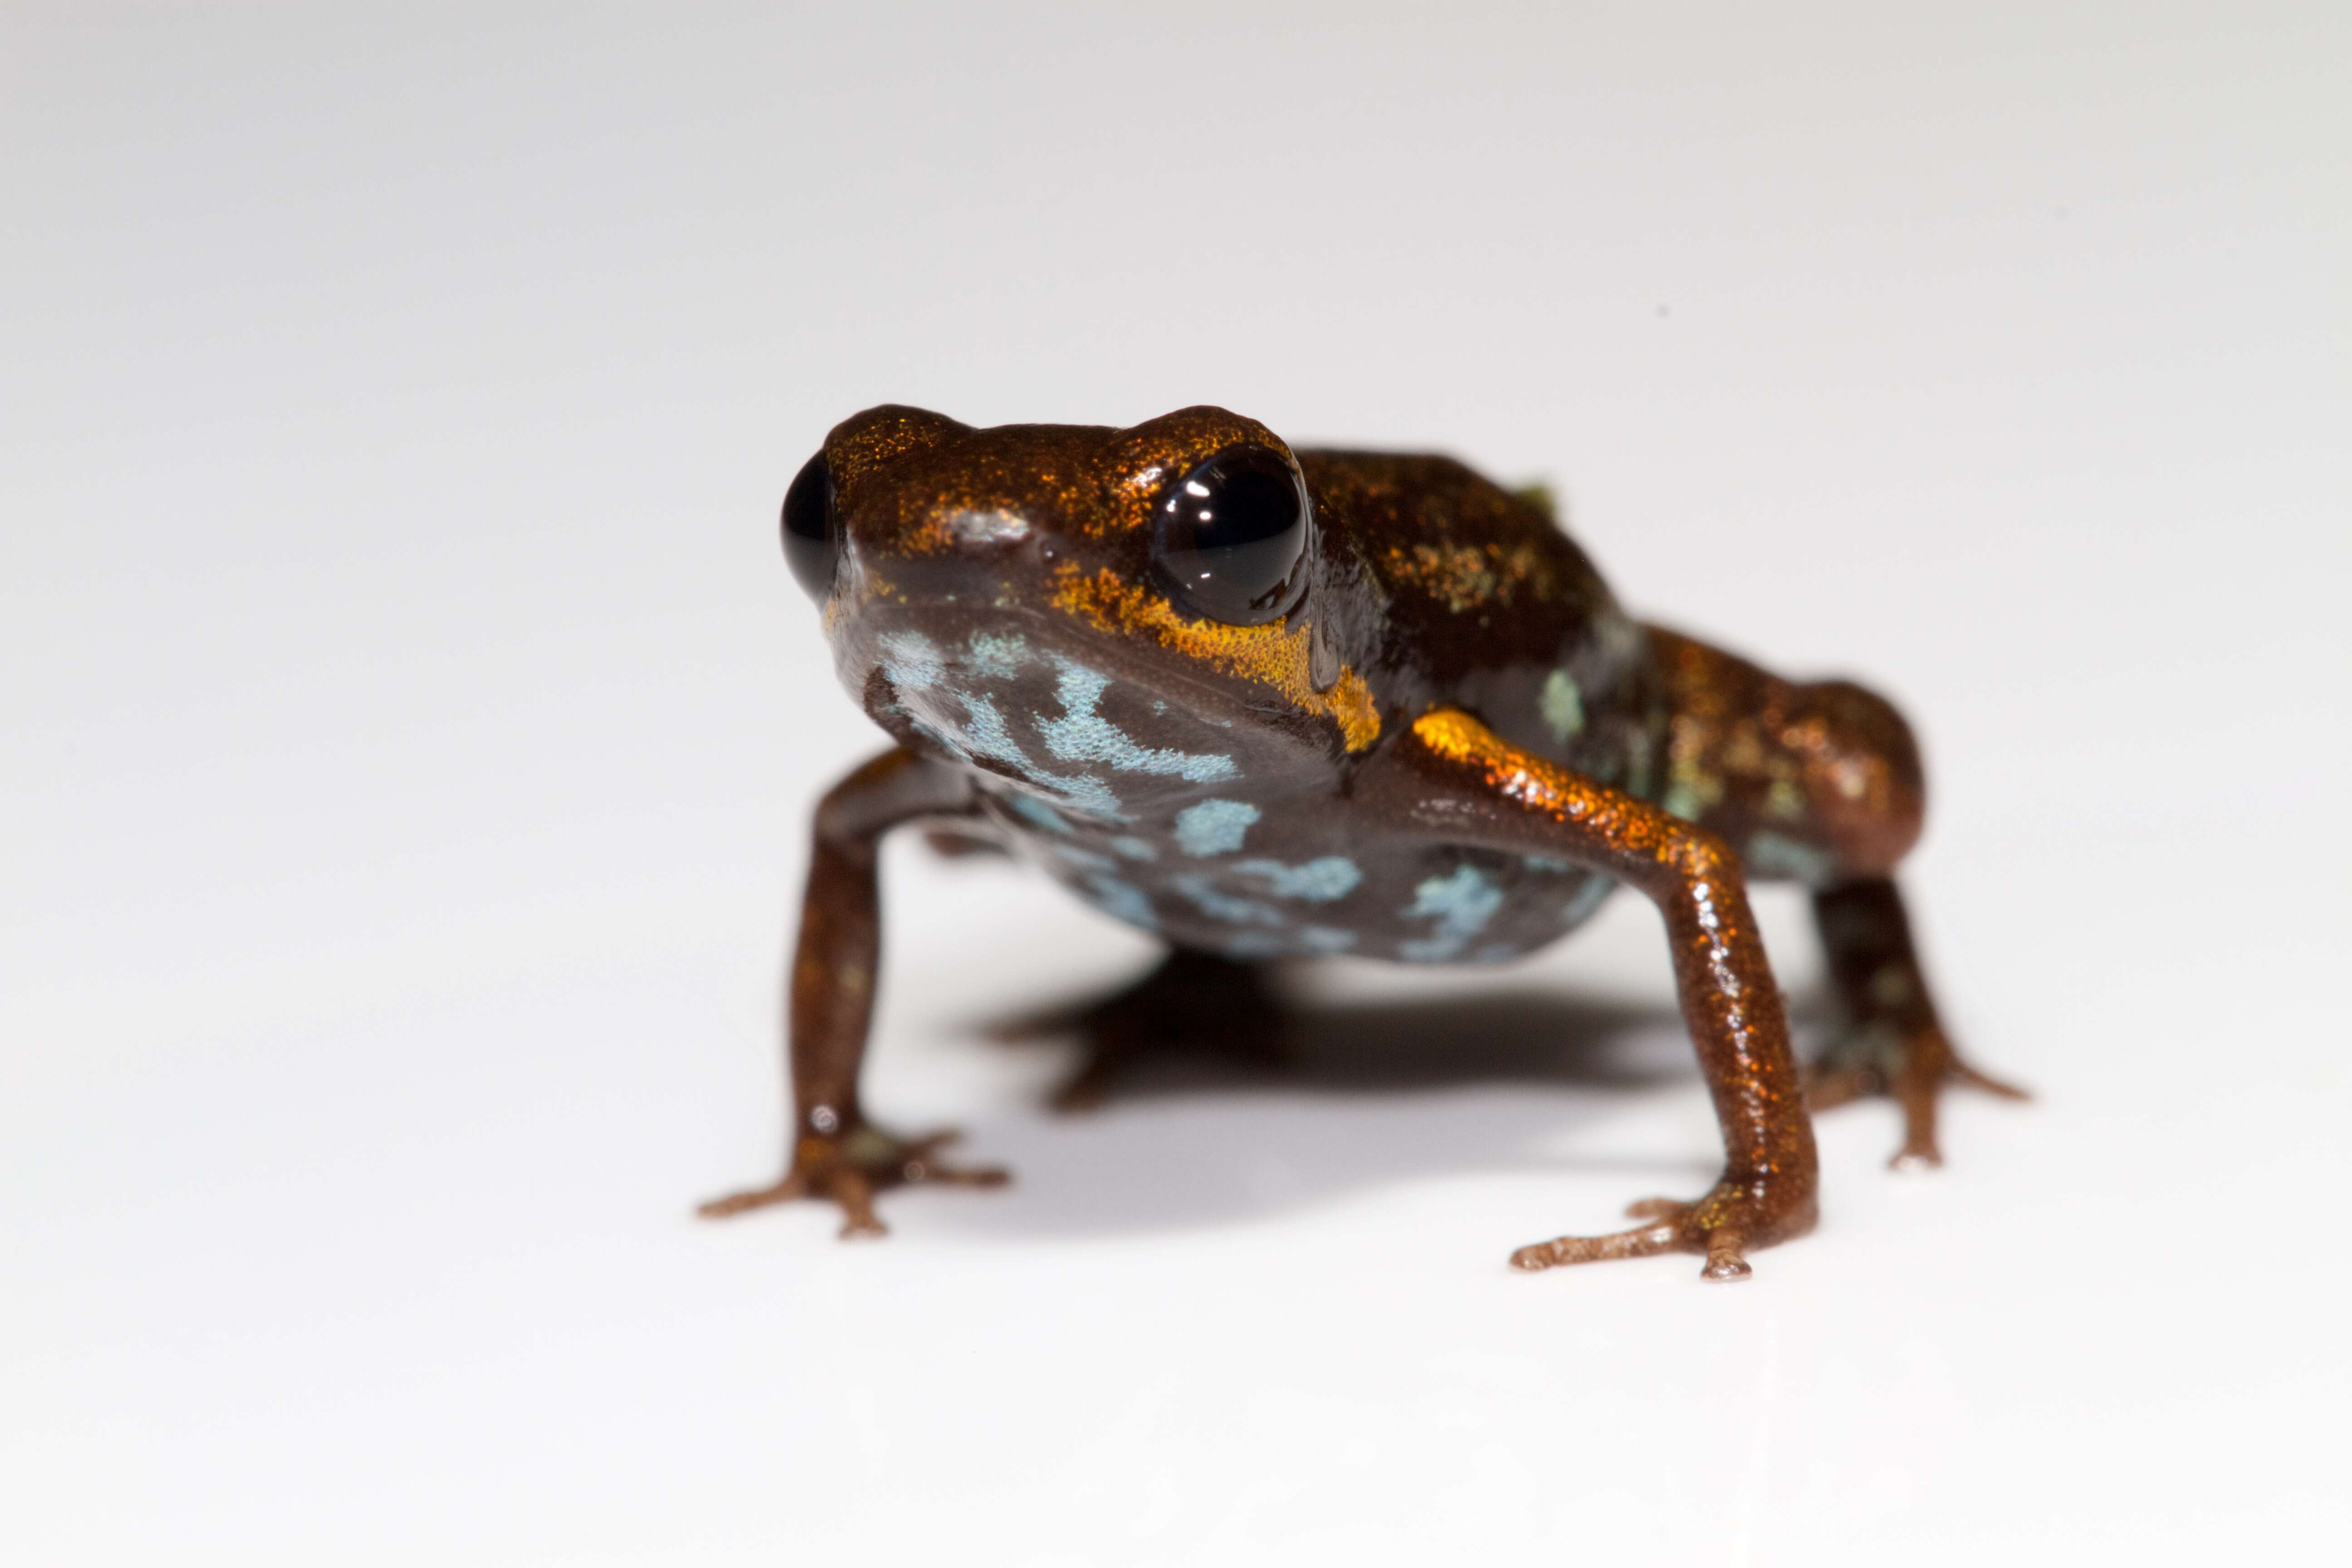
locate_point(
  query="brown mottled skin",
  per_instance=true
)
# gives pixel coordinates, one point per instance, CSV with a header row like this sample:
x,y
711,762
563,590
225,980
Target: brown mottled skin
x,y
1447,750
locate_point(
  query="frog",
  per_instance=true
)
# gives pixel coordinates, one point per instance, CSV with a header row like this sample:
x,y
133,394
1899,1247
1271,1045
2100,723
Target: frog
x,y
1271,704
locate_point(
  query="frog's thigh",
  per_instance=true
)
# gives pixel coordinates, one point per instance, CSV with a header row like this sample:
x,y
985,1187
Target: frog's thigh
x,y
1818,783
1822,784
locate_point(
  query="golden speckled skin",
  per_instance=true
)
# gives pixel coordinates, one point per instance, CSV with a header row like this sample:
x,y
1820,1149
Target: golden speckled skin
x,y
1450,746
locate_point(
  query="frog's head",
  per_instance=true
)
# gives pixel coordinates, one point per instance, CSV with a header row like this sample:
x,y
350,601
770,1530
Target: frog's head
x,y
1042,601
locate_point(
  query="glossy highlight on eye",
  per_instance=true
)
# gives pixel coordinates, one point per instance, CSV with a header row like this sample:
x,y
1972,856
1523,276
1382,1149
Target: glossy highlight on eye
x,y
1228,541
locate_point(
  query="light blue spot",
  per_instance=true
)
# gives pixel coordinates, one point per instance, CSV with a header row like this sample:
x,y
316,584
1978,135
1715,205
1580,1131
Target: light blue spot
x,y
1325,939
1083,736
1774,855
1000,655
986,732
1221,906
1133,848
1086,859
1562,706
1464,900
910,659
1214,827
1318,881
1044,815
1461,904
1545,863
1122,901
1087,796
1080,792
915,665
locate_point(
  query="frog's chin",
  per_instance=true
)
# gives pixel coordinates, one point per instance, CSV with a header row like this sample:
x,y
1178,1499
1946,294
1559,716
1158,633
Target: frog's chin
x,y
1097,728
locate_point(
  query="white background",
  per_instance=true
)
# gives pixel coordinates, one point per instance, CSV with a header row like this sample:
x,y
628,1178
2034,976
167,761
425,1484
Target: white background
x,y
408,729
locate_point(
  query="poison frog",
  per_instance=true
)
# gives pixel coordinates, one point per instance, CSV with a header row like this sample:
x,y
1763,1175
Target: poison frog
x,y
1269,704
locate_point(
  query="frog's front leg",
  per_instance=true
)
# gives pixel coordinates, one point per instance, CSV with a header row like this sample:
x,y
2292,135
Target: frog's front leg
x,y
836,1154
1821,783
1453,781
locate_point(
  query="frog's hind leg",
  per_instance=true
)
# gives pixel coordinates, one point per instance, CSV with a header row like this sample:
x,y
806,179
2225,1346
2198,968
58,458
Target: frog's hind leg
x,y
1894,1044
1190,1002
1822,784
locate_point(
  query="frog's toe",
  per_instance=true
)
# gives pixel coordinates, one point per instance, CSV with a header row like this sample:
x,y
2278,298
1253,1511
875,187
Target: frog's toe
x,y
848,1170
2000,1089
1672,1230
918,1164
791,1186
1912,1071
1642,1241
1721,1226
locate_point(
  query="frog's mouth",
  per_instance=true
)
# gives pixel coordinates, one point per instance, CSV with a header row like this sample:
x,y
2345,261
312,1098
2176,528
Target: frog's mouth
x,y
1287,658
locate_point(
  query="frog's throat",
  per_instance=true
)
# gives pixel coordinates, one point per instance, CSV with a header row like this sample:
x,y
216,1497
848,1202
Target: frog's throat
x,y
1273,655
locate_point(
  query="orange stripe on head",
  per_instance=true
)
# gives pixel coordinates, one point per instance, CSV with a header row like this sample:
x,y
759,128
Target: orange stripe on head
x,y
1273,655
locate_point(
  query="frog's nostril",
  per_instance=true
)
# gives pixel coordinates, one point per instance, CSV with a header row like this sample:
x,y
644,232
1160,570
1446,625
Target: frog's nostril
x,y
987,526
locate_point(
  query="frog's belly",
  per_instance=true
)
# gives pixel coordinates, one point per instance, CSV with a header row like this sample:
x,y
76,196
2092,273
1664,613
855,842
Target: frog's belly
x,y
1424,906
1217,827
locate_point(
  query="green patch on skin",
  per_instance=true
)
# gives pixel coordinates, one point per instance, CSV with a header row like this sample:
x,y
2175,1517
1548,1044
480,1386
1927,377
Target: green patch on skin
x,y
1562,706
1691,791
1891,987
1637,765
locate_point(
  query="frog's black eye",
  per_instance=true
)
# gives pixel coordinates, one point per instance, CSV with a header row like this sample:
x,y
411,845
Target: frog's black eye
x,y
1229,535
812,541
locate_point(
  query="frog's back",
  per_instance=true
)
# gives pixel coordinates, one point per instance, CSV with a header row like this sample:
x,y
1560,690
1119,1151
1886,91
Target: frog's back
x,y
1474,597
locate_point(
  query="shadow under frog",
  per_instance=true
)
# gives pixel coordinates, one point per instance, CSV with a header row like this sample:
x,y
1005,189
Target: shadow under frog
x,y
1337,1096
1272,705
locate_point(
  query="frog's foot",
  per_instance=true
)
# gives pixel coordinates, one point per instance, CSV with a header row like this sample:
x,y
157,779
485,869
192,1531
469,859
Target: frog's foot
x,y
1722,1227
1194,1002
1912,1070
849,1170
